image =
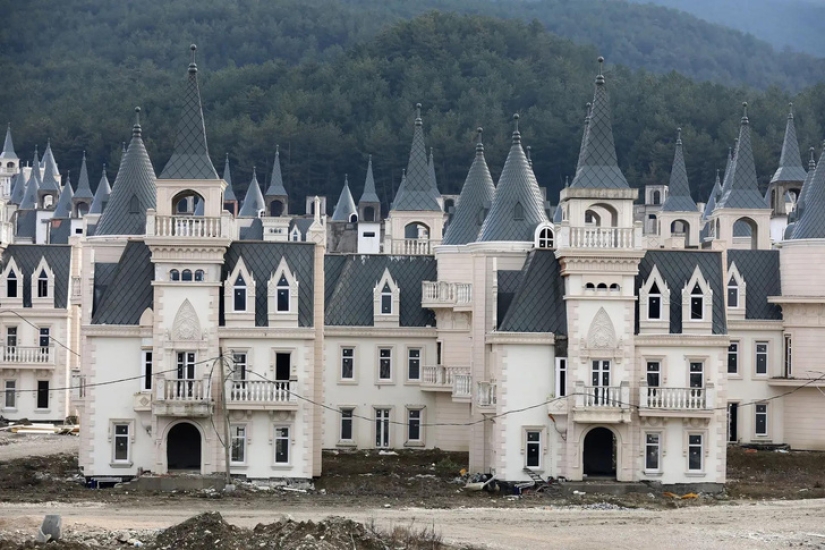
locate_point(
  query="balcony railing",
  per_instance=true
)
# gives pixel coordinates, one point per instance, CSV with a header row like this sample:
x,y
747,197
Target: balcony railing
x,y
261,392
600,238
441,293
603,396
486,394
183,390
187,226
463,386
440,377
684,399
413,247
22,355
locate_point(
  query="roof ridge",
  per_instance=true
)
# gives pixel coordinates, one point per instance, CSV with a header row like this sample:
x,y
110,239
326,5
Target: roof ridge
x,y
474,201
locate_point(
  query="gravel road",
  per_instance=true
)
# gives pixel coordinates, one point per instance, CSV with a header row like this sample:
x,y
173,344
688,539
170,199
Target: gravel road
x,y
751,525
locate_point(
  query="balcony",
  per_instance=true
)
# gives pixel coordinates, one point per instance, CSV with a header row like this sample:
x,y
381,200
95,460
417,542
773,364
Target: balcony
x,y
261,394
413,247
600,238
440,294
187,227
456,380
487,396
32,356
462,387
183,397
679,402
607,404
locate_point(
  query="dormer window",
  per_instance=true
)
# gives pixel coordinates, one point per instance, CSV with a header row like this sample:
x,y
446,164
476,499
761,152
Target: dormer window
x,y
654,303
697,303
386,300
239,294
11,285
736,293
544,237
282,295
43,284
239,297
386,296
733,293
134,205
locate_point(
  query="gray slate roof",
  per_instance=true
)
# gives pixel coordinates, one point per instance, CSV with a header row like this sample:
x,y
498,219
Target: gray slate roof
x,y
676,267
715,193
8,147
415,192
84,188
276,184
369,196
229,193
433,180
345,206
253,203
509,282
678,197
133,192
49,182
102,194
806,188
518,207
743,191
60,231
63,210
760,269
29,200
538,304
811,223
190,159
255,231
262,259
18,188
28,256
303,225
598,167
473,203
584,136
350,301
790,164
126,294
26,224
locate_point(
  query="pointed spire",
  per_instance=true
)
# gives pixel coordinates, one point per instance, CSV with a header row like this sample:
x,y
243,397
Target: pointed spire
x,y
102,193
276,184
415,192
18,188
29,200
84,188
369,195
476,197
431,168
715,193
790,165
253,203
743,191
133,192
529,158
8,146
190,159
63,210
678,197
518,207
811,224
229,193
346,205
49,182
584,135
806,187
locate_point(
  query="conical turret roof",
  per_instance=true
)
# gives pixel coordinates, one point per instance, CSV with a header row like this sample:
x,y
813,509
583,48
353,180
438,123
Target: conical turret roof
x,y
806,187
18,188
253,203
416,191
229,193
715,193
29,200
102,193
49,181
190,159
475,199
63,210
743,192
790,164
84,188
8,147
518,207
276,184
346,205
133,192
678,197
584,135
811,223
369,195
433,180
598,167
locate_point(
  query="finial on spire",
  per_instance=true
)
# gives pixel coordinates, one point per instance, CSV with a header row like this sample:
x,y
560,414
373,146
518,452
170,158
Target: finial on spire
x,y
346,179
744,112
516,134
600,76
790,110
193,68
369,158
84,154
566,181
812,160
678,136
136,127
227,156
479,142
277,150
418,114
589,108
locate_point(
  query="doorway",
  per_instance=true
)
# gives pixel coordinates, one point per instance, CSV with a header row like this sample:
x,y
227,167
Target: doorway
x,y
733,413
599,458
183,448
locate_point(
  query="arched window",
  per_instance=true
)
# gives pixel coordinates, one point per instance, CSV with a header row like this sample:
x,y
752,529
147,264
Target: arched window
x,y
545,239
654,303
43,285
282,295
697,303
174,275
353,218
733,292
134,205
657,197
518,211
614,286
601,286
590,286
239,294
186,275
11,285
199,275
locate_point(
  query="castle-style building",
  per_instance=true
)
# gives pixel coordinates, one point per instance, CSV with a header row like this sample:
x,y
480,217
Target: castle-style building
x,y
603,338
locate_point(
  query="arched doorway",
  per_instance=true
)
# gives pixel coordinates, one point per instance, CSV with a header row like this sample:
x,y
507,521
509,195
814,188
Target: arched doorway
x,y
599,455
183,448
745,233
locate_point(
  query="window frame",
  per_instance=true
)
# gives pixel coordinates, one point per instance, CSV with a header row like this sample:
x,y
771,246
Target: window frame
x,y
700,296
279,437
236,288
733,285
386,442
11,276
43,284
43,391
765,418
342,355
283,290
385,379
659,455
346,416
126,437
788,355
419,424
385,307
696,361
411,360
561,377
8,336
650,304
735,354
763,354
537,443
701,454
146,369
657,371
10,392
233,437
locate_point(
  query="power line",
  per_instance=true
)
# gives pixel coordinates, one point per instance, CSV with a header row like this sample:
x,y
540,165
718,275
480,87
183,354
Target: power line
x,y
51,338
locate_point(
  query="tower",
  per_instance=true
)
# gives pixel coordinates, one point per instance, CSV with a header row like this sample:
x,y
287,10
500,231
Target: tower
x,y
680,217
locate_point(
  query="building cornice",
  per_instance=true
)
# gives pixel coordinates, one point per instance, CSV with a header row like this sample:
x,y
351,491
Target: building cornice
x,y
117,331
267,332
682,340
754,324
527,338
372,332
818,300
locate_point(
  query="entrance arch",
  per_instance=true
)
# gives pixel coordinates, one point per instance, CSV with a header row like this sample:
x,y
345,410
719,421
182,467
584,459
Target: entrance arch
x,y
183,447
599,453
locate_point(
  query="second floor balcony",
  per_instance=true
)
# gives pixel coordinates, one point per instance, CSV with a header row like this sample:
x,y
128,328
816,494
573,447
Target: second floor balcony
x,y
680,402
413,247
608,404
456,380
28,356
437,294
600,238
187,226
183,397
261,394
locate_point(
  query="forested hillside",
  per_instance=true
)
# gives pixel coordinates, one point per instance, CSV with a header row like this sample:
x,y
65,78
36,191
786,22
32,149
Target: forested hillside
x,y
328,111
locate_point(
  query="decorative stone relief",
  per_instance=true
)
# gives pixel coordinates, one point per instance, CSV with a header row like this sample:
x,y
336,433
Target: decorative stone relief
x,y
601,335
187,326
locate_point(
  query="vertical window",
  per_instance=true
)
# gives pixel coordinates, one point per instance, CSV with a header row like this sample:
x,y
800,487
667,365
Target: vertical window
x,y
561,376
761,419
347,363
733,414
42,284
239,367
200,275
11,337
346,424
439,349
121,442
239,294
45,340
146,381
42,394
788,356
282,298
695,452
733,293
600,377
382,428
733,358
654,303
653,374
697,303
238,444
186,374
653,451
174,275
414,425
10,394
11,285
697,374
386,300
414,364
546,238
281,445
533,450
186,275
761,358
385,364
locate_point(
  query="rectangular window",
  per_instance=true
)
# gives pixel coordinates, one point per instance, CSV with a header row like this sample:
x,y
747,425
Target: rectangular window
x,y
11,337
761,358
761,420
697,374
385,364
186,374
146,380
414,364
42,288
653,374
44,338
237,454
382,428
652,451
121,442
695,452
533,450
239,297
347,363
386,304
697,304
654,307
414,425
561,376
733,295
11,285
10,394
788,356
282,299
439,350
733,358
239,368
42,394
281,445
346,424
